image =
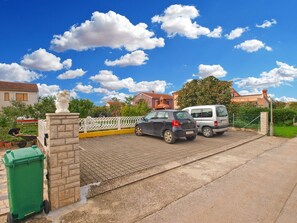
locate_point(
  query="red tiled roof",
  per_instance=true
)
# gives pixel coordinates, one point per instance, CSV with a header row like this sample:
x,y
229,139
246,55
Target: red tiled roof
x,y
14,86
154,95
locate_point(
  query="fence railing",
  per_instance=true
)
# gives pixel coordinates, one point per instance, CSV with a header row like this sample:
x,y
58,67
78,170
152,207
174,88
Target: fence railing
x,y
102,123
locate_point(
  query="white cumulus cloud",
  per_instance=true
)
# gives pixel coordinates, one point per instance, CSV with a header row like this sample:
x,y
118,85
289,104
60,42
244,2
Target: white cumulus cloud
x,y
84,88
211,70
44,61
236,33
135,58
112,82
48,90
253,45
71,74
267,24
283,74
177,20
286,99
107,30
16,73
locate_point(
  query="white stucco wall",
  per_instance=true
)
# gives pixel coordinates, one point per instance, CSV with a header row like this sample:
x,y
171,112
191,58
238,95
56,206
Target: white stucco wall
x,y
32,98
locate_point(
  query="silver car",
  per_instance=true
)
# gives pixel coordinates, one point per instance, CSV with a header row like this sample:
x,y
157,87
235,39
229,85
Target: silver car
x,y
210,119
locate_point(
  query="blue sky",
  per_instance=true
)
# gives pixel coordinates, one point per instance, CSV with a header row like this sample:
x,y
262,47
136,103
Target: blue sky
x,y
104,49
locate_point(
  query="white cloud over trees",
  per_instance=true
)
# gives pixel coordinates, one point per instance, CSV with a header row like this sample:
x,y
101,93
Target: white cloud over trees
x,y
71,74
106,30
17,73
111,82
211,70
283,74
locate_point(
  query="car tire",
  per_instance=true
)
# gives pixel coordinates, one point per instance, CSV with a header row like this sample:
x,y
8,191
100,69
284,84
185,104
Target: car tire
x,y
138,131
207,132
191,138
220,133
169,137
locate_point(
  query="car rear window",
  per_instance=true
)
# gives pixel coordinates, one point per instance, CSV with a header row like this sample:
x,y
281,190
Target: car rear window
x,y
221,111
182,115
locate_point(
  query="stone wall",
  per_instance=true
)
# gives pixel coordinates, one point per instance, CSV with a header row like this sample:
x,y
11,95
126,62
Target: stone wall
x,y
63,158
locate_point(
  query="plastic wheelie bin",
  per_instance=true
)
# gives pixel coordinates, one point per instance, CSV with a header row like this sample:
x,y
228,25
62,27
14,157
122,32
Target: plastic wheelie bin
x,y
24,168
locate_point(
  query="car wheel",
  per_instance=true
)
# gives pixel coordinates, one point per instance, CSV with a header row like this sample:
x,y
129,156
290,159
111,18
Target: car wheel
x,y
220,133
207,132
46,206
191,138
138,131
169,137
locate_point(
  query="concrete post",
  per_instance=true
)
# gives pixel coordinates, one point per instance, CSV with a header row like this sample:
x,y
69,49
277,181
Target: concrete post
x,y
264,123
63,159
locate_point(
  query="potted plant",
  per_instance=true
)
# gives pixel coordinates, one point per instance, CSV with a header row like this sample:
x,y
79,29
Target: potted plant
x,y
2,136
8,139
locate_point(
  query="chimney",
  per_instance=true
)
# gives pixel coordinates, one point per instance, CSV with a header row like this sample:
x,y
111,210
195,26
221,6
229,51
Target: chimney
x,y
153,91
264,93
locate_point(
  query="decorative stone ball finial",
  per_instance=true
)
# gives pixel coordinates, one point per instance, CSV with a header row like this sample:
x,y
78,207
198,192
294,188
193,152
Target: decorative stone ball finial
x,y
62,101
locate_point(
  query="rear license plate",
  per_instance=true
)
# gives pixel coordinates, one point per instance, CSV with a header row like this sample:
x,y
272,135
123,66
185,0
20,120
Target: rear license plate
x,y
189,132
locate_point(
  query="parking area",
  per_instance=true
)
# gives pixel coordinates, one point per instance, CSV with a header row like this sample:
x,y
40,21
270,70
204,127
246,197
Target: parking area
x,y
110,157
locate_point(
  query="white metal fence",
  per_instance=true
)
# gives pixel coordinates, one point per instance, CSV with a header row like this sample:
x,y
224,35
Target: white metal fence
x,y
41,131
102,123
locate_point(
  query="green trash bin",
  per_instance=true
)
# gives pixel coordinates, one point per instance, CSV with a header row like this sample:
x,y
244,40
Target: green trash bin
x,y
24,168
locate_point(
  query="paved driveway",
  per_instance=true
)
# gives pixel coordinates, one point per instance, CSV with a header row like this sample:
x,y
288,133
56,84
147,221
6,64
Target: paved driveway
x,y
110,157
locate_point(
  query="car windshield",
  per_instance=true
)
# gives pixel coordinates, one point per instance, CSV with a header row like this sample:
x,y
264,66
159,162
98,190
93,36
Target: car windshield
x,y
182,115
222,111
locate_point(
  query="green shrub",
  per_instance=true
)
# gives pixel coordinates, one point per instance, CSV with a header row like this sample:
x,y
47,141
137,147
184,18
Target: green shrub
x,y
284,116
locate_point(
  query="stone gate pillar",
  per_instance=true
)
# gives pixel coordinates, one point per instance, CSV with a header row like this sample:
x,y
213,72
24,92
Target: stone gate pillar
x,y
63,158
264,123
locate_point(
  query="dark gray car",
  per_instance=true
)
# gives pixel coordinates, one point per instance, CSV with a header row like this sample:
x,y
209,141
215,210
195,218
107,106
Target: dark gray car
x,y
168,124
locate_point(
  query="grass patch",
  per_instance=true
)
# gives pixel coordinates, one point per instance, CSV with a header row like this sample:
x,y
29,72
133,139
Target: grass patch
x,y
285,131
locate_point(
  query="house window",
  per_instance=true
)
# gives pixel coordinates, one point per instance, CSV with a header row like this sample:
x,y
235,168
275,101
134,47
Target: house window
x,y
6,96
21,96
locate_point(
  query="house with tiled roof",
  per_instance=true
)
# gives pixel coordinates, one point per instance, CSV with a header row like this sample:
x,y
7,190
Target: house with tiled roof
x,y
260,100
24,92
155,100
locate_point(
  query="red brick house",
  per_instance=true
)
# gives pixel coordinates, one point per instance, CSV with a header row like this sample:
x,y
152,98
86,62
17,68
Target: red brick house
x,y
261,100
154,100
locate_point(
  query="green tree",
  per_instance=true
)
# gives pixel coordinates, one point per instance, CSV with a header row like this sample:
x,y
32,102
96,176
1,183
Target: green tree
x,y
81,106
16,109
129,100
43,106
138,110
99,111
206,91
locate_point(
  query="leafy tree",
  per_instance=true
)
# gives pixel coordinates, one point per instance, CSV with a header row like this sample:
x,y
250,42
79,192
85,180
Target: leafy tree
x,y
138,110
81,106
206,91
100,111
16,109
129,100
43,106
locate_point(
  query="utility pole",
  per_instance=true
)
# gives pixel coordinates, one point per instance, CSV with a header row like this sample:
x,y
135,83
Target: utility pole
x,y
271,118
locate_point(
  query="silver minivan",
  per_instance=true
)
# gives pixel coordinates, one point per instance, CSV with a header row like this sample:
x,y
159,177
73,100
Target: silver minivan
x,y
210,119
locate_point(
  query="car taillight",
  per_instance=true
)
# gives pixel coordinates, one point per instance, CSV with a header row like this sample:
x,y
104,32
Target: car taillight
x,y
215,123
175,123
